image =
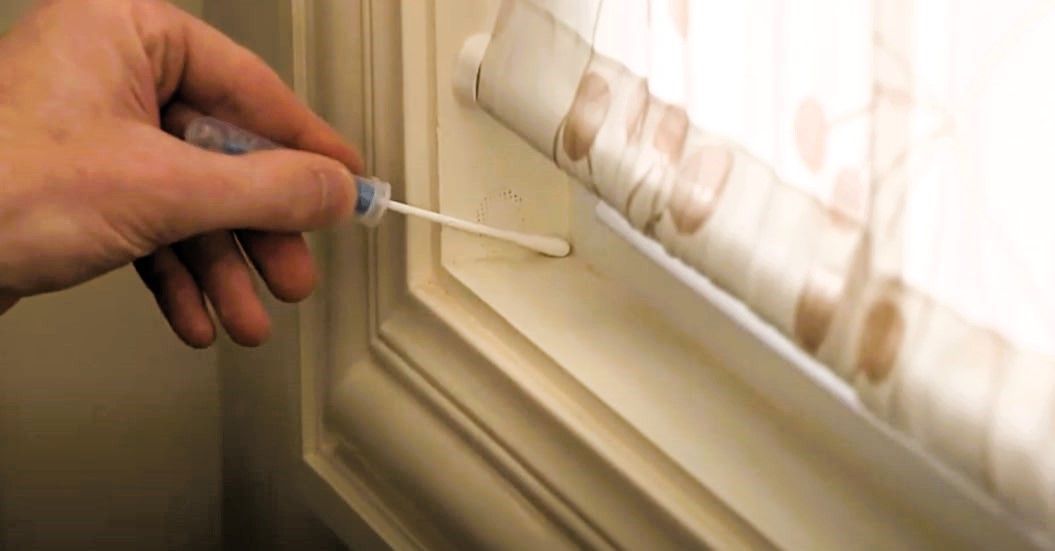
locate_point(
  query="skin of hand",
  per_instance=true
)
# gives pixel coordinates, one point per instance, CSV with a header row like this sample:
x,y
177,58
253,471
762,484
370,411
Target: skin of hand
x,y
92,178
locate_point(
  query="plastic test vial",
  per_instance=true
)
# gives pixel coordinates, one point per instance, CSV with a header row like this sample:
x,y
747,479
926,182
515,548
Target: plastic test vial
x,y
374,195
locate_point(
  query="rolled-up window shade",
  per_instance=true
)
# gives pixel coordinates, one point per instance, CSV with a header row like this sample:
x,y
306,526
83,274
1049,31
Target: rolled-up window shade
x,y
869,177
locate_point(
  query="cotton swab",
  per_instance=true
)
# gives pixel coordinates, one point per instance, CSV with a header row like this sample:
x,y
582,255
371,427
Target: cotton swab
x,y
374,198
545,244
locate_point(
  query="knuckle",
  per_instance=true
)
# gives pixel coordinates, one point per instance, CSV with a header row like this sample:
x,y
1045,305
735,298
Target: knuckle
x,y
332,198
310,199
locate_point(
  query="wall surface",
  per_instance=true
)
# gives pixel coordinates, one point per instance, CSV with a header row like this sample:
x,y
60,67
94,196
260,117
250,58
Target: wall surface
x,y
263,505
109,432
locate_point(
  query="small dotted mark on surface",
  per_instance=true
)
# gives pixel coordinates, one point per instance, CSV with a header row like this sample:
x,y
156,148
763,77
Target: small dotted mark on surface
x,y
503,206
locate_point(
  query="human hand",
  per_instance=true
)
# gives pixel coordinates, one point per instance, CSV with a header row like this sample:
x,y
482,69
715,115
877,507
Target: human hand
x,y
89,182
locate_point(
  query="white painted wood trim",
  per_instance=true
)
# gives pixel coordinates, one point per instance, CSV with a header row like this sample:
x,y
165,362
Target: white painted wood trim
x,y
942,495
419,426
374,462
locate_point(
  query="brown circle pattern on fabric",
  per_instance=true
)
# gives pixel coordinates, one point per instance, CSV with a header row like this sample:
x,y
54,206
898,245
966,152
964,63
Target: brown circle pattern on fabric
x,y
586,116
698,186
671,132
811,134
881,336
816,307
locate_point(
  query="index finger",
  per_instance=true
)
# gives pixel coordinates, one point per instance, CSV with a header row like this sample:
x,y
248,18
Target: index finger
x,y
219,77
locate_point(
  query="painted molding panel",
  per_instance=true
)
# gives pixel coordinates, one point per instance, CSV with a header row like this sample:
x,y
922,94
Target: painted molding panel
x,y
412,422
436,408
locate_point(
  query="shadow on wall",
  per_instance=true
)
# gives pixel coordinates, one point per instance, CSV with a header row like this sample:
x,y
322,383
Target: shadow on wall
x,y
109,432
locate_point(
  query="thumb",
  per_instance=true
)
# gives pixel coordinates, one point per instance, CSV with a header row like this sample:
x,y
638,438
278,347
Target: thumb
x,y
282,191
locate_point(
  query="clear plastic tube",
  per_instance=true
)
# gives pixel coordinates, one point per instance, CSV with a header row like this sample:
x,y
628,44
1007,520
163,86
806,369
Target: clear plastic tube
x,y
375,196
215,135
221,137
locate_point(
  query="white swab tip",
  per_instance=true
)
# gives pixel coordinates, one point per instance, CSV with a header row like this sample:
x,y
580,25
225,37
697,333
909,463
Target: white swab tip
x,y
552,246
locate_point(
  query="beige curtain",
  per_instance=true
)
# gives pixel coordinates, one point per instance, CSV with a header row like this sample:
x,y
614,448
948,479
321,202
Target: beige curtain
x,y
871,177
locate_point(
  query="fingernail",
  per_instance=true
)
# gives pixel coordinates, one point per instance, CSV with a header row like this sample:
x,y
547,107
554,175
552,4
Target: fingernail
x,y
338,192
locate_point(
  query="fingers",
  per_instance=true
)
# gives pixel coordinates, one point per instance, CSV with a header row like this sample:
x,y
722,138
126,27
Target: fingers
x,y
220,78
193,191
220,270
7,302
283,261
178,297
197,192
177,118
283,191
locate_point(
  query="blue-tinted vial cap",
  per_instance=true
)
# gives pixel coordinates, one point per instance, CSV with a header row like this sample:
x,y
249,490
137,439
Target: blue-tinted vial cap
x,y
373,199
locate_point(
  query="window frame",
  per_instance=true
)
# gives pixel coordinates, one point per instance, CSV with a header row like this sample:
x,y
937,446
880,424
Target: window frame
x,y
548,459
527,486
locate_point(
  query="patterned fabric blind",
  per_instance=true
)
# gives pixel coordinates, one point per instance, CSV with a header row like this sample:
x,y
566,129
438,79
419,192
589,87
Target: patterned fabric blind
x,y
871,177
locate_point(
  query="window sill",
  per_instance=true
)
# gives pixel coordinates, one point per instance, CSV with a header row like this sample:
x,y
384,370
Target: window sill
x,y
721,396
